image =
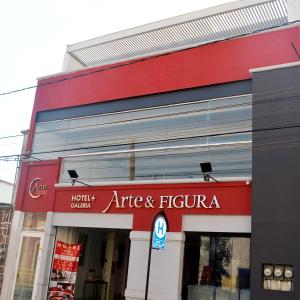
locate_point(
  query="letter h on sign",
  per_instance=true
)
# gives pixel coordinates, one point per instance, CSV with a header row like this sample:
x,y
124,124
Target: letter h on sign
x,y
160,228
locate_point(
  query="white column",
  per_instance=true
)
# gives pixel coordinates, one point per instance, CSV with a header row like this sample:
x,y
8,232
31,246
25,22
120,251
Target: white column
x,y
165,272
46,258
70,63
293,10
12,252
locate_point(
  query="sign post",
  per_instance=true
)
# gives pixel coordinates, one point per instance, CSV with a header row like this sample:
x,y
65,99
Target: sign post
x,y
158,237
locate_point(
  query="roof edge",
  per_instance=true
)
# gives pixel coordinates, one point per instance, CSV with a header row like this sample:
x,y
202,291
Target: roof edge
x,y
210,11
69,72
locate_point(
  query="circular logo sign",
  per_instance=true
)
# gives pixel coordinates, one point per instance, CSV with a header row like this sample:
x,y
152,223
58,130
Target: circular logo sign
x,y
160,227
37,188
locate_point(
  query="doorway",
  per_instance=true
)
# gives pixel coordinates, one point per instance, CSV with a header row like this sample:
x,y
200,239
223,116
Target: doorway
x,y
216,267
103,262
26,273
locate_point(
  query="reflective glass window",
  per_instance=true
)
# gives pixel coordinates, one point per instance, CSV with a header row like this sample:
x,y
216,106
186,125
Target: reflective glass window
x,y
26,268
216,267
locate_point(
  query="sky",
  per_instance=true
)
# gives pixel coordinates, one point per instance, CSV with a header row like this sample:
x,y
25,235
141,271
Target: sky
x,y
34,35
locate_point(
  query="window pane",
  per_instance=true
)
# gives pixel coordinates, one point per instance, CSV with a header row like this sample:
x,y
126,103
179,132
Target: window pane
x,y
223,271
26,268
34,221
206,124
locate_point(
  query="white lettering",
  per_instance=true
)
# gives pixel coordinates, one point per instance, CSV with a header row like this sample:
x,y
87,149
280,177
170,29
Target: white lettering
x,y
163,201
181,203
201,201
214,202
166,201
187,198
137,200
115,200
80,205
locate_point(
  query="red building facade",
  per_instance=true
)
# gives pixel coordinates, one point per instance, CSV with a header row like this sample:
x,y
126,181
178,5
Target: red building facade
x,y
127,188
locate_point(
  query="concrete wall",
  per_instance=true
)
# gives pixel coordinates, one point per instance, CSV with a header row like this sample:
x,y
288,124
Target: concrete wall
x,y
276,175
6,191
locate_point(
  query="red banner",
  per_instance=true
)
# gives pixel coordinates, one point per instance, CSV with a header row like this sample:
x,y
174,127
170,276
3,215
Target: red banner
x,y
64,271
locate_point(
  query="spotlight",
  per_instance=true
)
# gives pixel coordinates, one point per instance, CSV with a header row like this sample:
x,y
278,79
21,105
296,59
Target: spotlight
x,y
73,175
206,169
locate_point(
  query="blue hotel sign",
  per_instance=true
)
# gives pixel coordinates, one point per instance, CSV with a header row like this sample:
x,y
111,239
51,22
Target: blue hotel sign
x,y
160,233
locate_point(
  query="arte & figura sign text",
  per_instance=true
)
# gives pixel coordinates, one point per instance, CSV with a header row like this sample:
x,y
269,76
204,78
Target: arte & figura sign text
x,y
84,201
162,202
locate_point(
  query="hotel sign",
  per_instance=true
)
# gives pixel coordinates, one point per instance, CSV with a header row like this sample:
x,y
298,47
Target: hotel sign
x,y
142,201
82,201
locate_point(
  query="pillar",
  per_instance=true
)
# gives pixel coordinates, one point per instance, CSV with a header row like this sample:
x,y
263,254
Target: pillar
x,y
165,272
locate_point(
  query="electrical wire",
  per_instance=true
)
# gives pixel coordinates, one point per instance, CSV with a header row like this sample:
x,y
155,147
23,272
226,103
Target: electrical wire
x,y
291,126
11,136
264,101
177,139
238,105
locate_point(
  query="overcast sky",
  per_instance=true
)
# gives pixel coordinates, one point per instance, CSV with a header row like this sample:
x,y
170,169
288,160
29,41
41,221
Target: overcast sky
x,y
34,35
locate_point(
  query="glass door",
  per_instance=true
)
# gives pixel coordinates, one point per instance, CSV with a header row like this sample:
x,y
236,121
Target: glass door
x,y
26,273
216,267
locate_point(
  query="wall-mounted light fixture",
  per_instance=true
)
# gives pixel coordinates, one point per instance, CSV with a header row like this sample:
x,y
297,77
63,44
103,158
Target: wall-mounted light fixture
x,y
206,170
73,175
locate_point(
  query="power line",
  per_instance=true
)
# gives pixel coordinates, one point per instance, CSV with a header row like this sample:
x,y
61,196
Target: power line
x,y
292,126
168,140
268,114
238,105
11,136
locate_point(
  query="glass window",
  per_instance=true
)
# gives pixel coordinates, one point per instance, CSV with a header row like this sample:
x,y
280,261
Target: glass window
x,y
26,268
206,123
216,267
34,221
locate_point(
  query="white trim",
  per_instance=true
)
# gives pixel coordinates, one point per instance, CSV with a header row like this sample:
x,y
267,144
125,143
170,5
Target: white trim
x,y
160,149
293,7
219,223
12,252
93,220
46,259
247,180
275,67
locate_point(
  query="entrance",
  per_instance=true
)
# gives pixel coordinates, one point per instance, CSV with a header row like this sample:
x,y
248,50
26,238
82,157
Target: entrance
x,y
103,263
216,267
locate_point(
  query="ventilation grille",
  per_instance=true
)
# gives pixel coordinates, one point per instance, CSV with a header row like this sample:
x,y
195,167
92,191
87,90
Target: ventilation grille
x,y
186,34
